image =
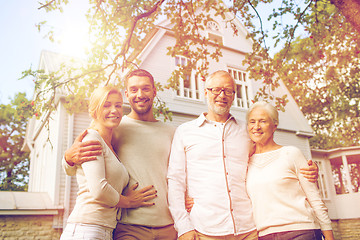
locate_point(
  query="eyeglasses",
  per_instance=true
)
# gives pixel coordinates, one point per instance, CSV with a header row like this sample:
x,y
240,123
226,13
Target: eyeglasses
x,y
217,91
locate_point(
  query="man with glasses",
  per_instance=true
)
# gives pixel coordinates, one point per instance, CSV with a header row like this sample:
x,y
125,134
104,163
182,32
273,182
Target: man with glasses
x,y
208,163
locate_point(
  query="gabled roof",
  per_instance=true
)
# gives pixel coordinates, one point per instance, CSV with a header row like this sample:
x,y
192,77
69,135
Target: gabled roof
x,y
49,62
165,27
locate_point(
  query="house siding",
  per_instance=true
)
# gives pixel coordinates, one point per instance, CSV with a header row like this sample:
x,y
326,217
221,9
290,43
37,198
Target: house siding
x,y
81,122
287,138
64,146
45,160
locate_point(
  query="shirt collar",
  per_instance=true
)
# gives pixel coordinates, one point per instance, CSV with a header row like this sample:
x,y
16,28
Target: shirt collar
x,y
202,119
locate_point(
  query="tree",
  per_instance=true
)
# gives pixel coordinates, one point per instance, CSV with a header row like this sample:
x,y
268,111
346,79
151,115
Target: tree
x,y
312,24
322,71
14,163
118,28
351,10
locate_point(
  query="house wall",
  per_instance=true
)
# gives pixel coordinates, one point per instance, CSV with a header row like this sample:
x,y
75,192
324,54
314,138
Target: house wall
x,y
44,173
162,65
288,138
64,135
22,227
346,229
81,122
347,205
68,189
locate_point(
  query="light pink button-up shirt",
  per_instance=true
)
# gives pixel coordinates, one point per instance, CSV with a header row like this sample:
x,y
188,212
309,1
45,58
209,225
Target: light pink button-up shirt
x,y
209,161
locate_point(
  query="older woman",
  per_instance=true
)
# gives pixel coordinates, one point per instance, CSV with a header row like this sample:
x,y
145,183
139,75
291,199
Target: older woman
x,y
285,204
101,181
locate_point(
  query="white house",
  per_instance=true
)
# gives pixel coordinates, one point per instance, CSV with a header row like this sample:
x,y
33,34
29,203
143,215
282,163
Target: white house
x,y
47,148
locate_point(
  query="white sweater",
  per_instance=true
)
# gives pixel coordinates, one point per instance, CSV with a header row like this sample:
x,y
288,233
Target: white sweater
x,y
100,185
282,199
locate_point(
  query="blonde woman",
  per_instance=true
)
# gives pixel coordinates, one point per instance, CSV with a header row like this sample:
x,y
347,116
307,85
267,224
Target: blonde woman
x,y
285,205
101,181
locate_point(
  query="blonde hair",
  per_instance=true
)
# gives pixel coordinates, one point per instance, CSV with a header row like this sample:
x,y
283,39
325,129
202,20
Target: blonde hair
x,y
98,98
270,110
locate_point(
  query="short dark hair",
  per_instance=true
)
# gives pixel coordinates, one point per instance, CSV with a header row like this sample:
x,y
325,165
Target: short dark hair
x,y
140,73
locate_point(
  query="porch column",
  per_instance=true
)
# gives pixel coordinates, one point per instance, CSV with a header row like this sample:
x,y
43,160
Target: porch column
x,y
347,173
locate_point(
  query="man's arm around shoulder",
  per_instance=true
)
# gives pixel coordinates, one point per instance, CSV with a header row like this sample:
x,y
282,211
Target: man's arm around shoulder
x,y
80,152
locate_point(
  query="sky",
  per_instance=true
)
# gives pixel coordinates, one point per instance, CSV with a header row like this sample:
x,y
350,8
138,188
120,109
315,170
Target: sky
x,y
21,43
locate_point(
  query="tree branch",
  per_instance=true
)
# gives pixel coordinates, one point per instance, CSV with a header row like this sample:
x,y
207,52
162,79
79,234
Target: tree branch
x,y
261,24
126,45
45,5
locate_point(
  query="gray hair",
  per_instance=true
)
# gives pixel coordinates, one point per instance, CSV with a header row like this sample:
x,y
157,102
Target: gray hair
x,y
270,110
219,73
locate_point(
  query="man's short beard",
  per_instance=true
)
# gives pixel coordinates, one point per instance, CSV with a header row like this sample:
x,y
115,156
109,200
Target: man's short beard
x,y
219,110
142,111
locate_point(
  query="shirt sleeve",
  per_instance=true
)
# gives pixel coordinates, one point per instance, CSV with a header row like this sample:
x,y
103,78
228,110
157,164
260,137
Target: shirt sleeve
x,y
98,185
177,185
312,192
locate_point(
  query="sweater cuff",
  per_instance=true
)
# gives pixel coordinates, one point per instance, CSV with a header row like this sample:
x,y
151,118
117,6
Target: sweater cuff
x,y
326,226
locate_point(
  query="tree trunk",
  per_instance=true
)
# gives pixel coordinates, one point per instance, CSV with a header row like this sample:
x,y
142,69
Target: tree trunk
x,y
351,10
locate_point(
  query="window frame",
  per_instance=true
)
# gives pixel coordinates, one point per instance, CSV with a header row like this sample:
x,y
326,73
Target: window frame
x,y
213,31
243,88
322,182
194,91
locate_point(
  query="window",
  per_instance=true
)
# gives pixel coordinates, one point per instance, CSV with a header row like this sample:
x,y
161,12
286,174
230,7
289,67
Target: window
x,y
242,92
188,84
321,180
214,33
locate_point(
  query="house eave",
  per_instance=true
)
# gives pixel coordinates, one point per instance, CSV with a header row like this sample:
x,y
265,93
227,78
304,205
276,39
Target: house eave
x,y
304,134
334,150
28,212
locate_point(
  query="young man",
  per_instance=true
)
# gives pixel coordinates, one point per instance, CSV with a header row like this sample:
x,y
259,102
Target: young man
x,y
208,162
143,146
